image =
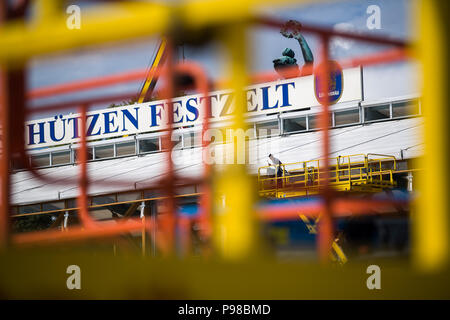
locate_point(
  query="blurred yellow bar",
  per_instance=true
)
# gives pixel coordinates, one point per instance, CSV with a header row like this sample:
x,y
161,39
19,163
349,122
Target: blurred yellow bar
x,y
430,216
19,42
235,235
116,21
47,10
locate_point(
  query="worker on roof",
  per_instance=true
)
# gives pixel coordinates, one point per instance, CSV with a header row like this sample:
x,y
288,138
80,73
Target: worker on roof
x,y
276,162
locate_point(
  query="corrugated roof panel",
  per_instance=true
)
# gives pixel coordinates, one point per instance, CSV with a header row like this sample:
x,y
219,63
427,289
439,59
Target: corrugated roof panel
x,y
383,137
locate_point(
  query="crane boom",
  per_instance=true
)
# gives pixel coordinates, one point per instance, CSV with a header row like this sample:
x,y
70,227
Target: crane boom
x,y
150,81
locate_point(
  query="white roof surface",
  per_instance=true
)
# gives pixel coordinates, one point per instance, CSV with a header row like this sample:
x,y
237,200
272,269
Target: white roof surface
x,y
135,172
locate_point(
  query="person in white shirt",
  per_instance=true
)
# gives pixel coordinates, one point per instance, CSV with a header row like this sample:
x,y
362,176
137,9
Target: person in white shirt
x,y
277,163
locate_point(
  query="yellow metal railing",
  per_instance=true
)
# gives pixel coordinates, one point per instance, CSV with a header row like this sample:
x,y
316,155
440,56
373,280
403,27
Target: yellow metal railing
x,y
21,41
343,170
431,210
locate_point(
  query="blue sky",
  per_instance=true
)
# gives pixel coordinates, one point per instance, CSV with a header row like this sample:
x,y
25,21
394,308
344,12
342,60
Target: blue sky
x,y
265,44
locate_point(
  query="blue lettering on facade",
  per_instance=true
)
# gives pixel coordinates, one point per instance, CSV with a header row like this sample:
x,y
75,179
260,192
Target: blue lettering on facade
x,y
250,100
192,109
279,96
52,128
31,133
134,120
210,100
176,111
265,99
154,115
285,92
92,125
75,127
110,122
226,110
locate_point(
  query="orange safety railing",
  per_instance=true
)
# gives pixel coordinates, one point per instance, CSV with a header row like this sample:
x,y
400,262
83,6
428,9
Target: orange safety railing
x,y
14,96
167,221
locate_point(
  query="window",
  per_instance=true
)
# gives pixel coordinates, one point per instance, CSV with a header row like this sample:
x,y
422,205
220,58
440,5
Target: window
x,y
17,164
40,160
62,157
149,145
103,200
377,112
185,190
29,208
295,124
346,117
125,149
406,108
228,134
104,152
128,196
216,135
177,141
49,206
267,129
71,203
90,154
313,121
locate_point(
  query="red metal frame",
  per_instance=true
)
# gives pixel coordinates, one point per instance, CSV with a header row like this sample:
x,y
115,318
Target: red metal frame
x,y
331,207
167,221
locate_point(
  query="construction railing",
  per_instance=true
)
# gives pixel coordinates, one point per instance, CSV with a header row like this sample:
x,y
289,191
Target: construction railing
x,y
227,21
307,177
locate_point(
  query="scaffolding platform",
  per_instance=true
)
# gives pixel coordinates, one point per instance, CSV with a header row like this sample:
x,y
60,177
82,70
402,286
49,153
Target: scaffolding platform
x,y
367,173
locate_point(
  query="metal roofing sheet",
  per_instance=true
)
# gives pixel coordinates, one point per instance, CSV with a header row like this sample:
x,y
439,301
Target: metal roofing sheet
x,y
389,137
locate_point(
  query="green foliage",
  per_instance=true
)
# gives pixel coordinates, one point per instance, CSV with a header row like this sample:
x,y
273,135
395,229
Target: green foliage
x,y
123,103
31,223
